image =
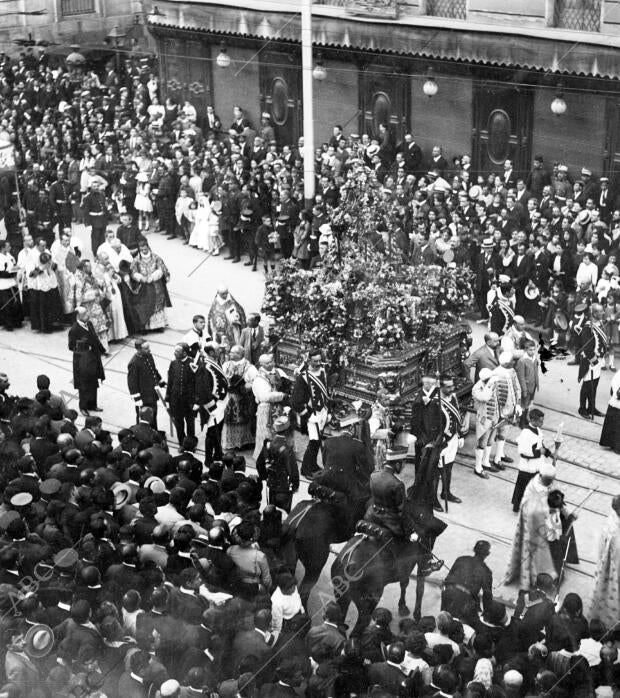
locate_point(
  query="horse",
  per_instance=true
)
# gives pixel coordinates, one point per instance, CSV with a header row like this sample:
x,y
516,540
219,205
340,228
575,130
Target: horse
x,y
316,524
372,559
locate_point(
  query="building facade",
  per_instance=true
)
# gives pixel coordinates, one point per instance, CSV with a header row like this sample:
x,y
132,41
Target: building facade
x,y
498,66
65,22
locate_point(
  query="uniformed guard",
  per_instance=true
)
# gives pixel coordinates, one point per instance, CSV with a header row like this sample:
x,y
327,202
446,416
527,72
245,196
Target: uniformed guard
x,y
277,464
592,351
468,578
310,400
347,466
501,305
453,437
388,495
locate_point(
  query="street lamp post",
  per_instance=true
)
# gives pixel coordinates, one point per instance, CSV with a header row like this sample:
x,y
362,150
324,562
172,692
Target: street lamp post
x,y
116,35
307,94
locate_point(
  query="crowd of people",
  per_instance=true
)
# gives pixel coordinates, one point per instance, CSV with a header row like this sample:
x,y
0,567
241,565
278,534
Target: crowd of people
x,y
130,571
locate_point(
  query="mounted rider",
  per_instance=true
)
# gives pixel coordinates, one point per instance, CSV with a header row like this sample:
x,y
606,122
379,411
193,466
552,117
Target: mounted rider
x,y
347,467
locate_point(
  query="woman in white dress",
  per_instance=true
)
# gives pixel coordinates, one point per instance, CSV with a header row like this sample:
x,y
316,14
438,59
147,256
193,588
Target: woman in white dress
x,y
143,203
215,241
109,280
200,234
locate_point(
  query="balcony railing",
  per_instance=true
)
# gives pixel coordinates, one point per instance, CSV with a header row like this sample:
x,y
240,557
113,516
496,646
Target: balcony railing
x,y
580,15
76,7
454,9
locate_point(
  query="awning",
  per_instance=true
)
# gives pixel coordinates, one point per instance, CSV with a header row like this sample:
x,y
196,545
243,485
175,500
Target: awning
x,y
399,38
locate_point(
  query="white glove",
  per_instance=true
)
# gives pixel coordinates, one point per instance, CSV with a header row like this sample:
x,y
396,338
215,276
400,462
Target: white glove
x,y
414,537
461,442
138,402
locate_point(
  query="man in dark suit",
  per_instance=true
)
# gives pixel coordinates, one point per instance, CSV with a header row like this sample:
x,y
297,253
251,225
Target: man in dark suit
x,y
185,603
252,338
486,268
41,448
438,162
486,356
142,379
524,269
87,365
527,369
425,415
256,642
327,640
143,431
389,674
412,154
509,177
181,392
289,675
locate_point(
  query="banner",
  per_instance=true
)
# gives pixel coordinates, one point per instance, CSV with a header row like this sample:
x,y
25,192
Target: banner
x,y
7,157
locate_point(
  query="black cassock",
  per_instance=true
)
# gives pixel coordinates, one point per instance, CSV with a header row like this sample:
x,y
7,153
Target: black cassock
x,y
87,364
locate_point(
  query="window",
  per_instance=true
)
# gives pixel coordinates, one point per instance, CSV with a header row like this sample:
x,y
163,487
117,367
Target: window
x,y
76,7
581,15
453,9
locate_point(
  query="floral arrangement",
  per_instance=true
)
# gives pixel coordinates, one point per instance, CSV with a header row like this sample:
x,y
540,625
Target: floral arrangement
x,y
364,299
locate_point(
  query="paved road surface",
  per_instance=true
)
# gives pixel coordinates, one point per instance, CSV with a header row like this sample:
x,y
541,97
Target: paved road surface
x,y
485,511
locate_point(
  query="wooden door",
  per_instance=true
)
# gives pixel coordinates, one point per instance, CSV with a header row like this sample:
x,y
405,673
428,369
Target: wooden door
x,y
175,69
502,127
198,89
384,98
612,142
280,95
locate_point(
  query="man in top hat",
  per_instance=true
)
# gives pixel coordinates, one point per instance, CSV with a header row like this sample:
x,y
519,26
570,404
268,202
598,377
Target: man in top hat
x,y
142,380
591,356
277,464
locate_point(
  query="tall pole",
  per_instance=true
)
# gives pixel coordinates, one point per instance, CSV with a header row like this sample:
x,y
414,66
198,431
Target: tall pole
x,y
308,102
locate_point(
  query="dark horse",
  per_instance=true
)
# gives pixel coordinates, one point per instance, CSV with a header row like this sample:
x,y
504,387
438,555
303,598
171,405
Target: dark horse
x,y
368,563
317,523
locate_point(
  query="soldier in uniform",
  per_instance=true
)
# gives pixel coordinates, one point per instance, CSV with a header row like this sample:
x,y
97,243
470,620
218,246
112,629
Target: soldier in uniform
x,y
60,199
591,354
468,577
347,467
501,302
96,211
277,464
181,392
388,496
425,415
310,400
142,379
453,438
579,319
